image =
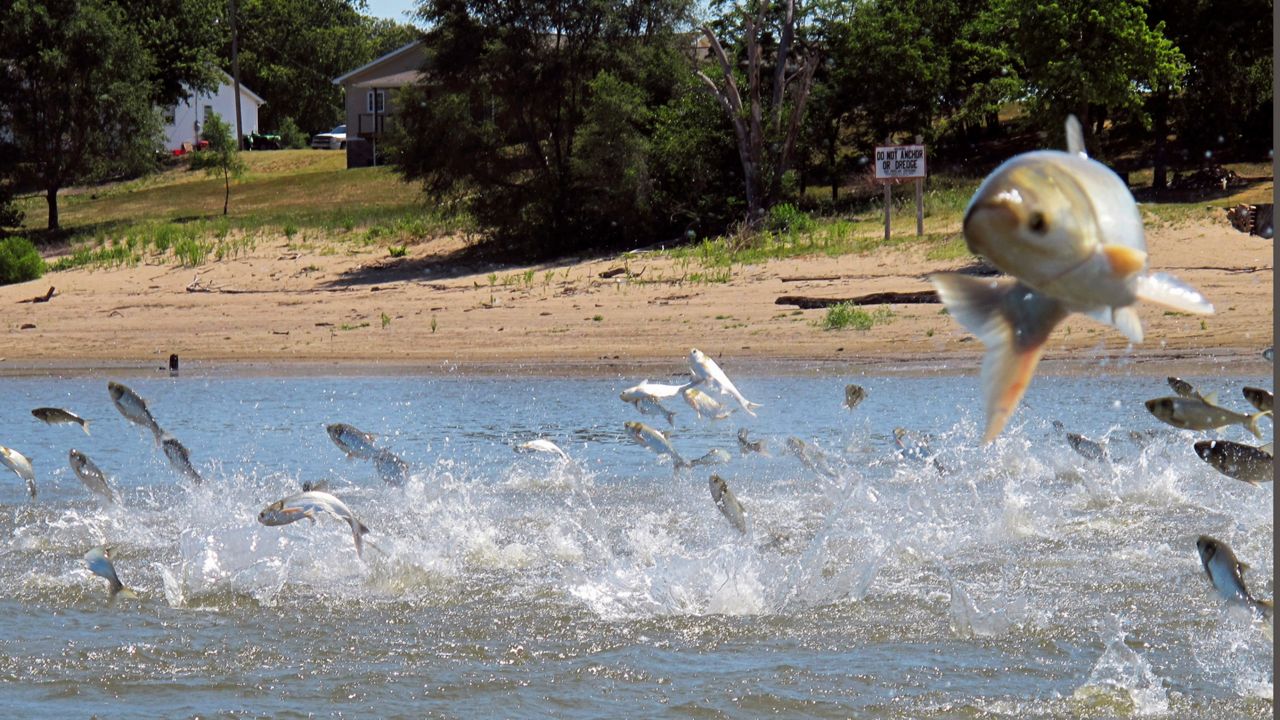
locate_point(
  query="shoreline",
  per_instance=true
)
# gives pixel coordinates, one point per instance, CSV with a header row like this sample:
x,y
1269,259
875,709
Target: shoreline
x,y
1145,365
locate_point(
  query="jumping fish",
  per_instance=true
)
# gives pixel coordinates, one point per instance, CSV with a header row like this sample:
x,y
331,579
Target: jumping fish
x,y
707,372
811,457
853,394
392,469
355,443
655,441
1182,387
714,456
1226,574
134,408
1068,231
1243,462
645,388
749,446
100,564
649,405
1259,398
704,405
19,463
92,477
180,459
58,416
308,505
541,445
728,504
1201,414
1087,448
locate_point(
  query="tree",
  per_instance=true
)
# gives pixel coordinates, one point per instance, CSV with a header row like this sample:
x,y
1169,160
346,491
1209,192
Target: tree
x,y
532,108
1076,56
222,157
766,131
291,50
75,92
183,38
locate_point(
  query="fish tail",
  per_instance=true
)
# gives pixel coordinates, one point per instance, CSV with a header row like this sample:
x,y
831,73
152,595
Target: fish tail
x,y
358,530
1252,423
671,416
1013,322
84,425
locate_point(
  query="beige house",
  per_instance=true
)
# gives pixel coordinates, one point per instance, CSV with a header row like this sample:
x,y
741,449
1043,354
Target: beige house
x,y
370,98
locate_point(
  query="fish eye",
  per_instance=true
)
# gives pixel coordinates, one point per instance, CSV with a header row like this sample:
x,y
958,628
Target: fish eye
x,y
1038,223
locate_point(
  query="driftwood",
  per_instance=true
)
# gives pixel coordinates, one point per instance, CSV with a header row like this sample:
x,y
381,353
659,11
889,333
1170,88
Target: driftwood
x,y
919,297
40,298
614,272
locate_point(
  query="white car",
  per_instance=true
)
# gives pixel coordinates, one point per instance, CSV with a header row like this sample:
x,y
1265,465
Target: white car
x,y
335,139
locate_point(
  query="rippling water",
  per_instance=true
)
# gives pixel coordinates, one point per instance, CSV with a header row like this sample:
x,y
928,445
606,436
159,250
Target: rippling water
x,y
1014,580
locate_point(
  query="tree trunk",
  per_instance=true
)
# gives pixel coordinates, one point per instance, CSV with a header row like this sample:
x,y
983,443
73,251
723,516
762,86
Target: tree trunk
x,y
51,197
1160,122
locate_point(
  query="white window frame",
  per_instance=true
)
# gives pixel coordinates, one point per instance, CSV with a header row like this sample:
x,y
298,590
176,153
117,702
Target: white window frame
x,y
382,102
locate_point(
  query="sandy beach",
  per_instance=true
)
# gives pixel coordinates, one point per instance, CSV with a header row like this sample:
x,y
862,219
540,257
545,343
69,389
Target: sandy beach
x,y
363,308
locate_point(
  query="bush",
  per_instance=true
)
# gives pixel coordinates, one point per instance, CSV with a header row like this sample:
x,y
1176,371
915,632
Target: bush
x,y
19,261
787,217
291,136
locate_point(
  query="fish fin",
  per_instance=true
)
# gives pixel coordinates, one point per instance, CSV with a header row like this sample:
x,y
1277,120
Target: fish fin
x,y
1124,319
1269,448
1013,322
1075,137
31,488
85,427
1252,424
749,406
1211,399
358,531
1167,290
1124,260
127,593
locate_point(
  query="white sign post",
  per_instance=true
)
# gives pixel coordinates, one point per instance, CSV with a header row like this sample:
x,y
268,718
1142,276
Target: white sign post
x,y
895,163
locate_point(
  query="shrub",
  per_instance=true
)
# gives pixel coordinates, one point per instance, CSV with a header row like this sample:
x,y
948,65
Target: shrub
x,y
19,261
845,315
291,136
787,217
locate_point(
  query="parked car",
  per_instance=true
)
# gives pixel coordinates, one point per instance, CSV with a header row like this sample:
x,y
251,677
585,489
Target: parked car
x,y
335,139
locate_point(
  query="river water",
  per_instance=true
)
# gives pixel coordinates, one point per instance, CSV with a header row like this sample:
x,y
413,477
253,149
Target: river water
x,y
1018,579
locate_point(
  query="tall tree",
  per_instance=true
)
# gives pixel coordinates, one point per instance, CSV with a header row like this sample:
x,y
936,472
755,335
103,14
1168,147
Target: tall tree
x,y
291,50
766,129
183,38
1078,55
518,89
75,92
222,157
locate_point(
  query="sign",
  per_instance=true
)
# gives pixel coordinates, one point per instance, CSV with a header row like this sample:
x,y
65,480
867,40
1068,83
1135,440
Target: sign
x,y
900,162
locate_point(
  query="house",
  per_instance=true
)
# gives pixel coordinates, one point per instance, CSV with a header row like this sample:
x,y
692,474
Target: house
x,y
370,102
185,121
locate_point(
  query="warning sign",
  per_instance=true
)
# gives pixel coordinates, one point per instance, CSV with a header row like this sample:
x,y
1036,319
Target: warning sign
x,y
900,162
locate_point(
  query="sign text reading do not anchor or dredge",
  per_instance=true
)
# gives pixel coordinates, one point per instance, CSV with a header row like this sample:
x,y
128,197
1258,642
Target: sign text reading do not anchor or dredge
x,y
900,162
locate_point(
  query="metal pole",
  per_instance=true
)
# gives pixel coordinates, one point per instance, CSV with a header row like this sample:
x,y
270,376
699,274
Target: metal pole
x,y
919,198
888,207
235,75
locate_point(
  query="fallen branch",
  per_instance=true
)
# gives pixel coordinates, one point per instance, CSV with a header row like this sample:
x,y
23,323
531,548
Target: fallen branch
x,y
919,297
39,298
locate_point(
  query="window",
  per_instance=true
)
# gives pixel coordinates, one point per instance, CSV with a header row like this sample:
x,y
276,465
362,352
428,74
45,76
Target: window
x,y
381,100
208,113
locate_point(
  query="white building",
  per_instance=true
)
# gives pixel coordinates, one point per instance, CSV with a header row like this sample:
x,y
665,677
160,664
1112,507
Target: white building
x,y
184,122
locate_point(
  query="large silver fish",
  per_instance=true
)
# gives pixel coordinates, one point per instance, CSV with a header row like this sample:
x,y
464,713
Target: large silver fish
x,y
657,390
391,468
58,416
655,441
811,457
542,445
310,504
728,504
1259,398
714,456
1201,414
704,405
1226,574
649,405
749,446
180,459
100,564
706,372
1243,462
92,477
1068,232
19,463
134,408
1182,388
355,443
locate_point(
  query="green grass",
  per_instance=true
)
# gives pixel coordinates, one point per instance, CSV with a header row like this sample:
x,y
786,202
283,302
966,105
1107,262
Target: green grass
x,y
844,315
284,192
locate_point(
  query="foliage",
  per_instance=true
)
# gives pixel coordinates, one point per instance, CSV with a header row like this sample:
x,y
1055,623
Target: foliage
x,y
182,37
19,261
290,51
75,93
787,217
1077,55
844,315
541,112
222,157
291,136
